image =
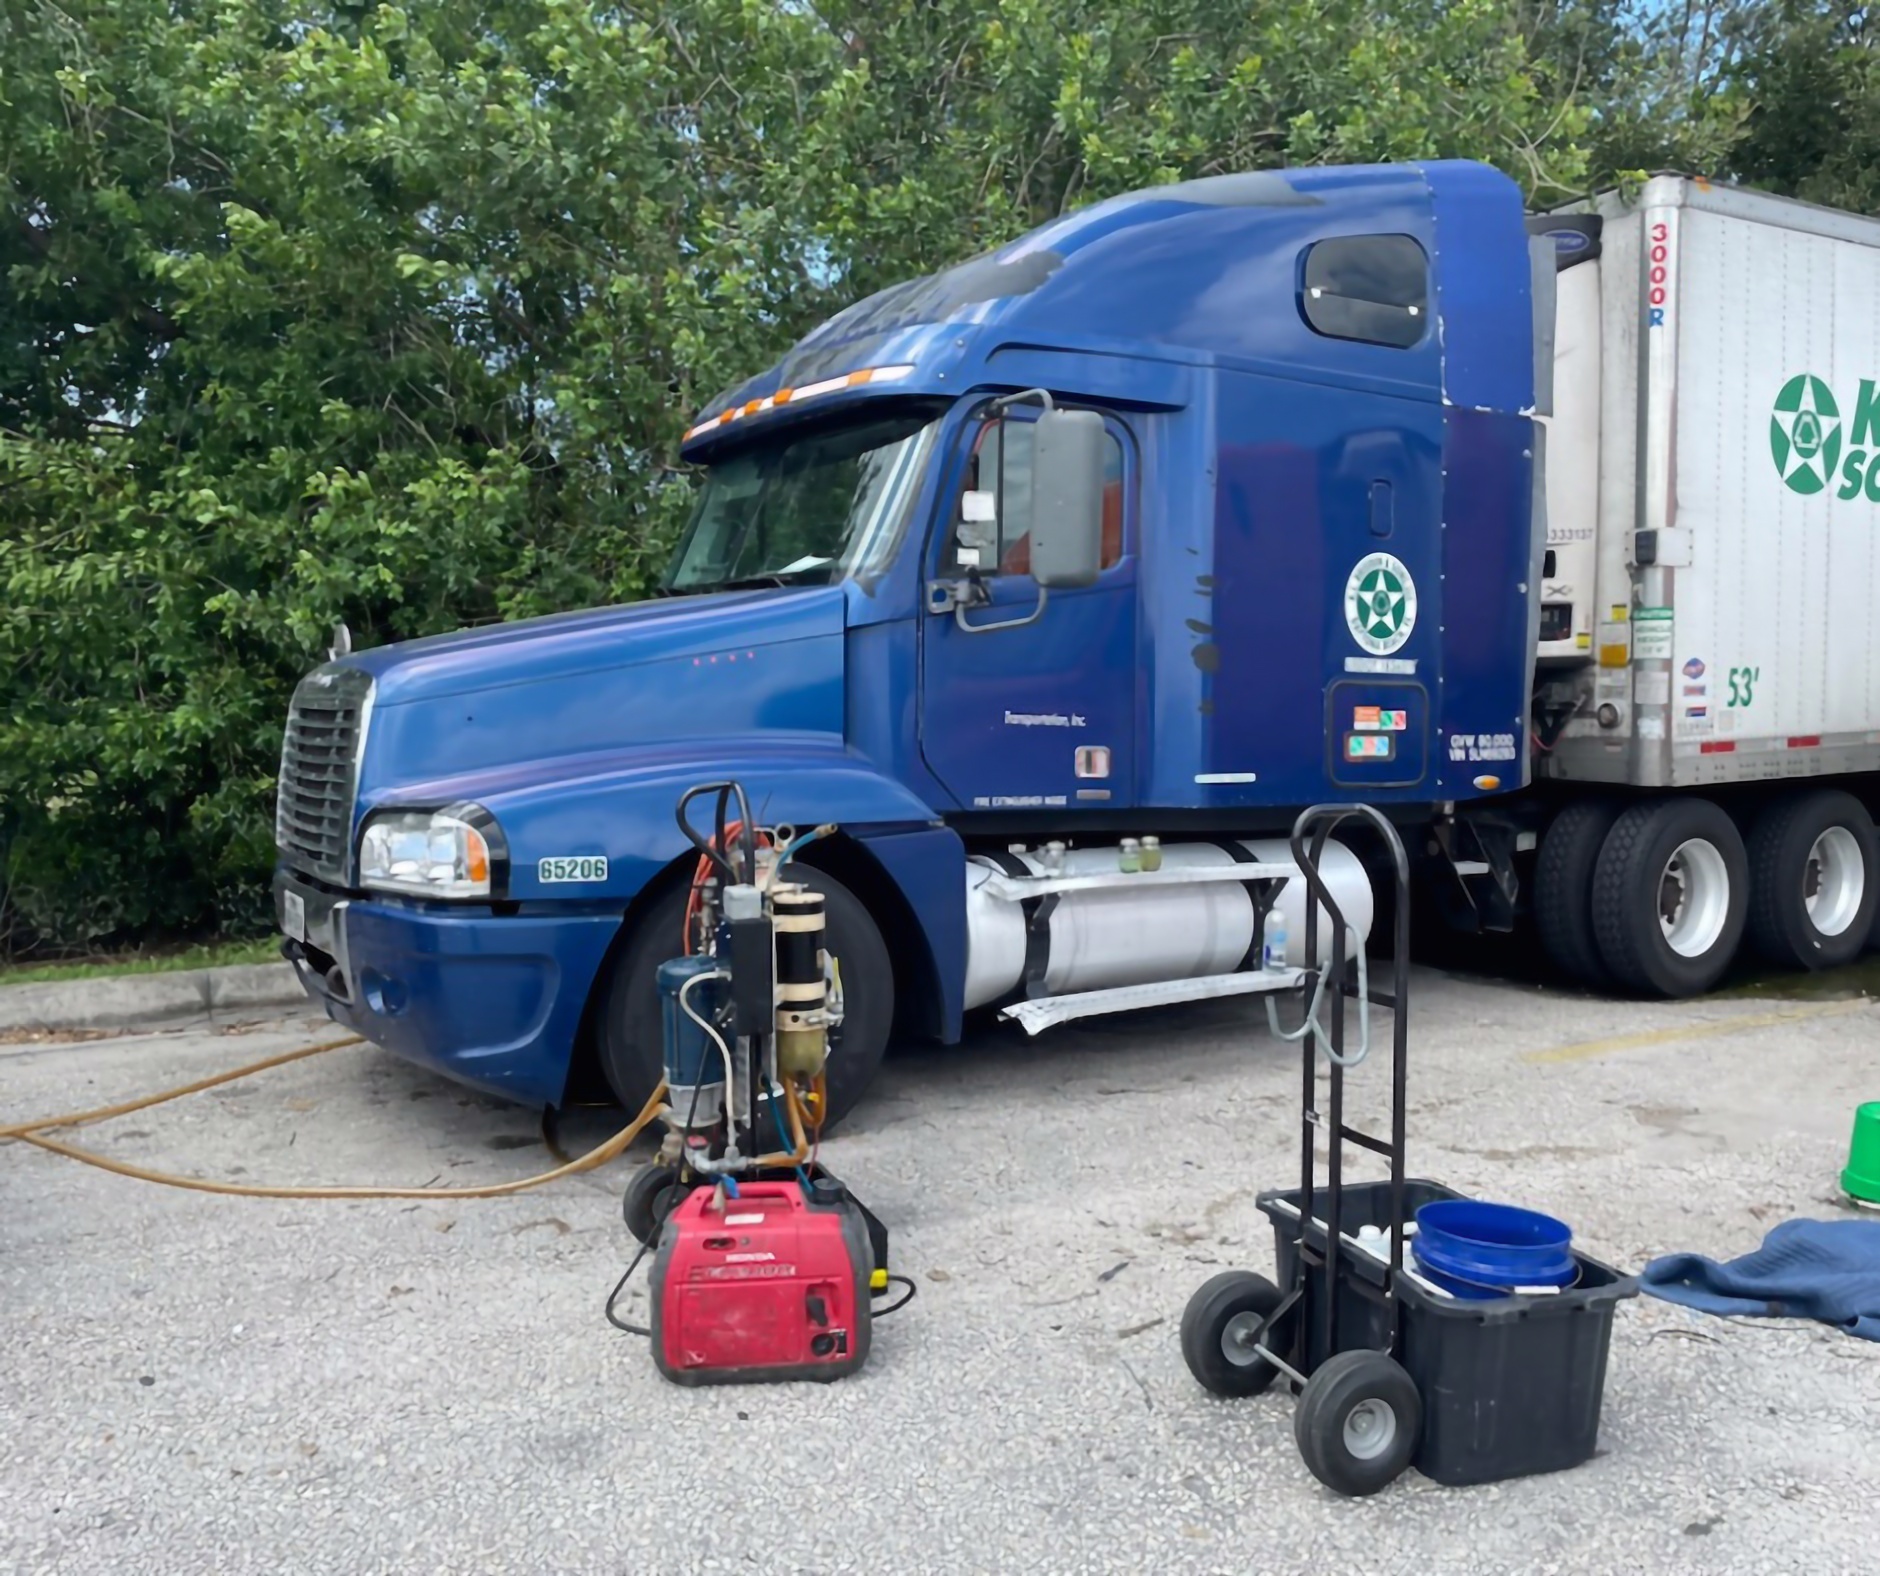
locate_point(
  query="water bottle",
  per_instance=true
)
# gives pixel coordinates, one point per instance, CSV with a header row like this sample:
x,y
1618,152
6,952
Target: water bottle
x,y
1273,940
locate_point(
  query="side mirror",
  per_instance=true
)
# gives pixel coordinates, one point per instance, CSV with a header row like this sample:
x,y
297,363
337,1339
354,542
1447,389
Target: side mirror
x,y
1067,499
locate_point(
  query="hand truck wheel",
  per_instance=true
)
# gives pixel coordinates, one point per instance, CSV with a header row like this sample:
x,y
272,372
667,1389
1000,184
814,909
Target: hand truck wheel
x,y
1357,1422
653,1194
1225,1320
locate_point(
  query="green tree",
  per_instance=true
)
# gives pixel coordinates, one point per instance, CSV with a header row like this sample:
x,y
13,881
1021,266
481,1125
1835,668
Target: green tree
x,y
322,311
1805,75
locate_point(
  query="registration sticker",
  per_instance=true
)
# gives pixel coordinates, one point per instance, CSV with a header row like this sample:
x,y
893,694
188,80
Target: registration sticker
x,y
1379,719
581,867
294,916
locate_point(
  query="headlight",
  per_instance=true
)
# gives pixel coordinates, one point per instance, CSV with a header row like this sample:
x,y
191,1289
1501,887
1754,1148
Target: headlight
x,y
428,853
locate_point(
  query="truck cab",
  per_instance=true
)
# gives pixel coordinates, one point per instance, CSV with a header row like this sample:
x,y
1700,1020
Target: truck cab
x,y
1187,510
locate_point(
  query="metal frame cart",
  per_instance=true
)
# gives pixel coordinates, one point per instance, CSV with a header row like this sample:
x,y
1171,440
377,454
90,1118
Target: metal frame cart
x,y
1390,1369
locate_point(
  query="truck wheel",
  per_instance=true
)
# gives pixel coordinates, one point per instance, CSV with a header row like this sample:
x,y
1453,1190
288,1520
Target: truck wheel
x,y
1811,884
1563,889
1670,896
629,1031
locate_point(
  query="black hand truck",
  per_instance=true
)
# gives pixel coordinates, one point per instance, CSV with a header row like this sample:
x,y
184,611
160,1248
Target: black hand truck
x,y
1390,1369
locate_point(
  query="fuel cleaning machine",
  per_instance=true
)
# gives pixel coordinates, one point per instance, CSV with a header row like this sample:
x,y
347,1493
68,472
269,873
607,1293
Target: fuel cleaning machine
x,y
765,1267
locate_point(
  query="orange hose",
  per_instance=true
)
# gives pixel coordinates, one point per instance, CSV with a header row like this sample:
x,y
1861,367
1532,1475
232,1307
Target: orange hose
x,y
795,1113
34,1133
104,1113
598,1156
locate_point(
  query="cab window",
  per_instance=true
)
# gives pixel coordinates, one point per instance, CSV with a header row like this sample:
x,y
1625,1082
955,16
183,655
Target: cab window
x,y
1002,543
1371,288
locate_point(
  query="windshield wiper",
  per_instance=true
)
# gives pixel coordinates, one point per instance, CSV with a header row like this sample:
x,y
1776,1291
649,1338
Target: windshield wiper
x,y
818,574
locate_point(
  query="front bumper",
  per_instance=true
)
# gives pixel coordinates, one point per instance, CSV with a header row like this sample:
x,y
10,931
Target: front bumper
x,y
492,1001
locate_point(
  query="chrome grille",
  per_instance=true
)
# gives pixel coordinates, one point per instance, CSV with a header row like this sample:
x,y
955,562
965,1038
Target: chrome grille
x,y
319,770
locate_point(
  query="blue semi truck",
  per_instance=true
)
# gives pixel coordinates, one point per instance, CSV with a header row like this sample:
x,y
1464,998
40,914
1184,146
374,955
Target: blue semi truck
x,y
1190,509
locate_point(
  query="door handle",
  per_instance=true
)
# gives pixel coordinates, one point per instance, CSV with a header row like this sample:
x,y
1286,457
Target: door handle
x,y
1383,509
956,596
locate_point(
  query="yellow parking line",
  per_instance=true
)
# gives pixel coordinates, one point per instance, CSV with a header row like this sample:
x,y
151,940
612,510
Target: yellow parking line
x,y
1587,1049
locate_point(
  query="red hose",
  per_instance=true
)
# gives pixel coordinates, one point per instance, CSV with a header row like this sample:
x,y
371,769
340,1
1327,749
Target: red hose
x,y
703,873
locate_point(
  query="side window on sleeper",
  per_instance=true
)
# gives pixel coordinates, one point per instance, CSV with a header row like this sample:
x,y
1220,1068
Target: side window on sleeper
x,y
1370,288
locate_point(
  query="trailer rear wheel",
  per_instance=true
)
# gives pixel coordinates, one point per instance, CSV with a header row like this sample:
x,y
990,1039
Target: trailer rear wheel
x,y
1811,860
1563,889
1670,896
629,1031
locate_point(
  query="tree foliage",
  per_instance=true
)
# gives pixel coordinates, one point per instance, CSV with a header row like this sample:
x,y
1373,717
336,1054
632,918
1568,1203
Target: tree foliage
x,y
331,311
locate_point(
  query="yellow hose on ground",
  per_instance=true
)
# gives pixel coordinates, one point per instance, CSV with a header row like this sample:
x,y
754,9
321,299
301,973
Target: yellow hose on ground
x,y
34,1133
104,1113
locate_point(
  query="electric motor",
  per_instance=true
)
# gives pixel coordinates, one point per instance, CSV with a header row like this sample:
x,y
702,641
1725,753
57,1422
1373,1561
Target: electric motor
x,y
695,1070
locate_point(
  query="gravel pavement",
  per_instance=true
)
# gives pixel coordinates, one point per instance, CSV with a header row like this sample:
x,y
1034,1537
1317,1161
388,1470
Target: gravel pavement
x,y
200,1384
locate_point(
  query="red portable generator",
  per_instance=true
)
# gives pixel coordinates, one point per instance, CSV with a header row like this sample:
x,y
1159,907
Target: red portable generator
x,y
772,1282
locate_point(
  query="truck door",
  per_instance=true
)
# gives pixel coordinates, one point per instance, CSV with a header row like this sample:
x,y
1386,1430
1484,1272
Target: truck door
x,y
1040,714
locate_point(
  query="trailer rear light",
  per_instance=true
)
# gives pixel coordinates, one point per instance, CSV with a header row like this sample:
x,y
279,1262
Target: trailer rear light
x,y
757,407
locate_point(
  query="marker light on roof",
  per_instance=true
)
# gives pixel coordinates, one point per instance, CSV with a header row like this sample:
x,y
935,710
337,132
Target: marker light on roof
x,y
757,407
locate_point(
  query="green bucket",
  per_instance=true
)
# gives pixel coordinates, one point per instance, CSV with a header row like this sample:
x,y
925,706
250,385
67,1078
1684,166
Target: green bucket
x,y
1861,1179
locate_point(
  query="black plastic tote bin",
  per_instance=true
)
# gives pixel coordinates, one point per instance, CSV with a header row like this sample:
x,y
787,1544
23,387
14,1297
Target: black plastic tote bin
x,y
1510,1386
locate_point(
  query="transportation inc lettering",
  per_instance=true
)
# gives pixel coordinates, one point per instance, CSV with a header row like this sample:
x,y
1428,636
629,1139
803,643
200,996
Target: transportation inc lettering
x,y
1043,719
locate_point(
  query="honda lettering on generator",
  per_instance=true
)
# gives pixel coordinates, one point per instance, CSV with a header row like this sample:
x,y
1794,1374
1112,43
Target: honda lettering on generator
x,y
764,1267
1065,578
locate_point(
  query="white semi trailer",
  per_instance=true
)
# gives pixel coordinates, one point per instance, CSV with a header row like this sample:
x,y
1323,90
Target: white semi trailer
x,y
1707,654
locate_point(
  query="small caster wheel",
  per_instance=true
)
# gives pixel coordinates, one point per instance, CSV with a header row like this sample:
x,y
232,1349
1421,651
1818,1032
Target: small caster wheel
x,y
653,1194
1357,1422
1224,1321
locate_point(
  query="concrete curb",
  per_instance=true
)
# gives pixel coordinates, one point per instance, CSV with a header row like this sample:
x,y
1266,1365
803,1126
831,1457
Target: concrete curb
x,y
137,1000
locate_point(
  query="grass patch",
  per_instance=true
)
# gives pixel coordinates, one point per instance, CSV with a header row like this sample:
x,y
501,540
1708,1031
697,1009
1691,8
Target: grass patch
x,y
104,966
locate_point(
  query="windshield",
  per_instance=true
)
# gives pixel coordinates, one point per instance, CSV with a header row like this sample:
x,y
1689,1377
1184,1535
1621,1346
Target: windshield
x,y
807,507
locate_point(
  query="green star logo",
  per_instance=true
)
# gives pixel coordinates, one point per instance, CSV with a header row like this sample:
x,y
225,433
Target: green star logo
x,y
1805,434
1380,604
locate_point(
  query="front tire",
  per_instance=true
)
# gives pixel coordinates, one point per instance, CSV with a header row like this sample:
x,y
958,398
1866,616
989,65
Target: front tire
x,y
1357,1422
1811,860
629,1026
1670,897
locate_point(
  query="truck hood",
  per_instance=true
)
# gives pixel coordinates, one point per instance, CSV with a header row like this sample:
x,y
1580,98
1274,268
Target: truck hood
x,y
564,644
646,675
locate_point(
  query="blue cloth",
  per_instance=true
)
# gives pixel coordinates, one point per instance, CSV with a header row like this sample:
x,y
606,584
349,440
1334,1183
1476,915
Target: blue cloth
x,y
1805,1269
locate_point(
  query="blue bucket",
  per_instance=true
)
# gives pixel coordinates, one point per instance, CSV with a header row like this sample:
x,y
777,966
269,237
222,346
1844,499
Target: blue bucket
x,y
1481,1250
